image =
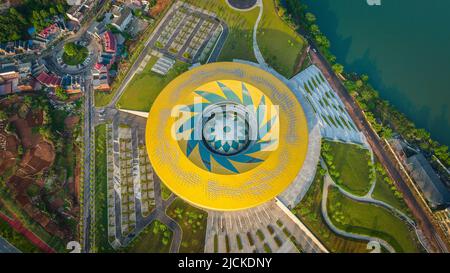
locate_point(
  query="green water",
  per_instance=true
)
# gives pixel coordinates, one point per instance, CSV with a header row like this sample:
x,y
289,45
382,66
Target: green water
x,y
403,45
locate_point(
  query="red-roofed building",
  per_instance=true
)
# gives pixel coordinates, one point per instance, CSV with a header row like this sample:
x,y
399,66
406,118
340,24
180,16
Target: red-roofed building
x,y
109,42
101,79
99,66
49,80
50,30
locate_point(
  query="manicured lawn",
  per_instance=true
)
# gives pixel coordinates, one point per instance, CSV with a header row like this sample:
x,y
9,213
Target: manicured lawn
x,y
156,238
239,43
79,55
351,162
386,191
193,223
103,98
101,188
281,46
16,239
146,86
309,212
383,193
368,219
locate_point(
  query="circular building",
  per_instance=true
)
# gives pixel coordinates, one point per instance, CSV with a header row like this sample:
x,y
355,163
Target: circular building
x,y
227,136
242,4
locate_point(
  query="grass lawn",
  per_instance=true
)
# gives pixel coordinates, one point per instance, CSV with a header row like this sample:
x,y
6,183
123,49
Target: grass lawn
x,y
239,43
80,55
103,98
16,239
368,219
193,223
156,238
308,211
146,86
281,45
101,188
165,192
351,162
386,192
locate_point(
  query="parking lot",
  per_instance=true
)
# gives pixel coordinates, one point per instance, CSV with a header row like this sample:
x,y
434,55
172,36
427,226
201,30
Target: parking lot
x,y
188,33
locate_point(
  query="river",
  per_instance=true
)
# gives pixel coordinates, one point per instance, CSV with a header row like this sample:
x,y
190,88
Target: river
x,y
404,47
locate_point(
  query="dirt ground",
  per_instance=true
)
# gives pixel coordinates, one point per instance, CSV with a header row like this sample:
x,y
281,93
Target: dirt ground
x,y
159,7
8,153
27,171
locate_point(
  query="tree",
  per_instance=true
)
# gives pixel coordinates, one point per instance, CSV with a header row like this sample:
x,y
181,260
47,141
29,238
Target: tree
x,y
53,11
28,101
70,49
338,68
387,133
60,93
3,115
310,18
60,8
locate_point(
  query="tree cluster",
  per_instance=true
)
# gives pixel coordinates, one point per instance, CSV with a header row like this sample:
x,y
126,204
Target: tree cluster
x,y
32,13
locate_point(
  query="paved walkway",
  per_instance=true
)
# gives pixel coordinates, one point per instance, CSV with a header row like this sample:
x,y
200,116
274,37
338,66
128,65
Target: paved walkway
x,y
269,225
367,198
327,183
259,56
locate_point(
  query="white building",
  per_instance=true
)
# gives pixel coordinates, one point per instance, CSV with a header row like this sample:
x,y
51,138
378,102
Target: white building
x,y
122,17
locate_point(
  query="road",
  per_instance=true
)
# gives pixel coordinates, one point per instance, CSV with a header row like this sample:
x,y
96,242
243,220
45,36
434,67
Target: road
x,y
91,119
6,247
88,157
425,220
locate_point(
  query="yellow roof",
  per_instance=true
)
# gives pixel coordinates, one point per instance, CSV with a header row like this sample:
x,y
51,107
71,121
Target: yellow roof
x,y
200,162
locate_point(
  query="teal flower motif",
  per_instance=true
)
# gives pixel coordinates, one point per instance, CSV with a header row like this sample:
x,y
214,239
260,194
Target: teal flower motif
x,y
226,135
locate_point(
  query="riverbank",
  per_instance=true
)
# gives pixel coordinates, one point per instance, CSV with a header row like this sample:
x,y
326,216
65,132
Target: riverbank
x,y
383,116
403,49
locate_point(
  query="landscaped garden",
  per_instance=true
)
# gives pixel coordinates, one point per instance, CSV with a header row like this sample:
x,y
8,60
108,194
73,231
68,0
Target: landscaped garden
x,y
386,191
280,44
74,54
156,238
193,223
101,188
309,212
349,165
368,219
